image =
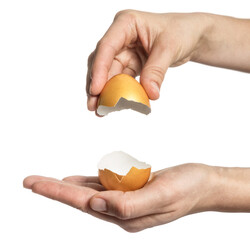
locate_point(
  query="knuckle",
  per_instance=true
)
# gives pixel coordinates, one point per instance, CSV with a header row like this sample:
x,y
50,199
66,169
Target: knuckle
x,y
100,43
166,194
122,211
157,73
127,14
91,56
104,43
125,209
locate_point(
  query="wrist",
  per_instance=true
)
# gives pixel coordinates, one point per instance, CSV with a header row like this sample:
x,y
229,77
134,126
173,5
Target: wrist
x,y
208,190
229,190
207,23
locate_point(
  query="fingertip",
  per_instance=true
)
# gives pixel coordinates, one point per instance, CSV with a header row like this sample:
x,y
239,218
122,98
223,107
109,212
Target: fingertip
x,y
92,103
97,84
29,181
26,182
152,89
98,204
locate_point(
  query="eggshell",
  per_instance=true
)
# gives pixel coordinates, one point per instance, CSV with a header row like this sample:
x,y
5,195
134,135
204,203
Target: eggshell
x,y
120,171
123,92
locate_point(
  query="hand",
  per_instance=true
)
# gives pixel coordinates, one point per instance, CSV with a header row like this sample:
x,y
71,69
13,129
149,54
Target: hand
x,y
143,43
146,44
170,194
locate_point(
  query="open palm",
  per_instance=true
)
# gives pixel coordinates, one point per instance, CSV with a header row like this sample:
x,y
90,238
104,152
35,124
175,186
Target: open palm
x,y
170,194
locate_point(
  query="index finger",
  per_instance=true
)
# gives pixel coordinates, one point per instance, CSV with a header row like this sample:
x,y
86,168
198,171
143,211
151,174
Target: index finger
x,y
121,33
72,195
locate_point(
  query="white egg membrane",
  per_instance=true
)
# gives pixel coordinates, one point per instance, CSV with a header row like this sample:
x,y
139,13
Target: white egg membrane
x,y
120,163
123,103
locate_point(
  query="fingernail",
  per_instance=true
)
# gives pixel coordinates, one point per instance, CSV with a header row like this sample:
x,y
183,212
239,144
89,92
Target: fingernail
x,y
90,88
155,87
98,205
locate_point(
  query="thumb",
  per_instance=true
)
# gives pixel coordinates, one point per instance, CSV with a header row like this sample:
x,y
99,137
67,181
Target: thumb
x,y
153,72
126,205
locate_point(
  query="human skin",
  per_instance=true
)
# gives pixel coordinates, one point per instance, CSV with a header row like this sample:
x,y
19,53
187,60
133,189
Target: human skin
x,y
170,194
147,44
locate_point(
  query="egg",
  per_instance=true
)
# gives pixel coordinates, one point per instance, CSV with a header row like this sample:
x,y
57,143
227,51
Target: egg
x,y
123,92
120,171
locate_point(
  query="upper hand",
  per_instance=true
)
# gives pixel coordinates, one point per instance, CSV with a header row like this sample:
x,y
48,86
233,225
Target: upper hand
x,y
145,44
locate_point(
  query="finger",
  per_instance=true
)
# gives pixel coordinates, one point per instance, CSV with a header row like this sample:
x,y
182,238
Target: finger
x,y
119,35
130,72
128,225
125,62
83,179
120,66
72,195
115,68
95,186
130,61
154,70
92,102
128,205
127,66
30,180
88,77
140,223
79,198
91,182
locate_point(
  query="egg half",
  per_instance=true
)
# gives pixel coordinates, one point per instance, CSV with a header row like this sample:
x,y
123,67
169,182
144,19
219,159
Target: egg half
x,y
120,171
123,92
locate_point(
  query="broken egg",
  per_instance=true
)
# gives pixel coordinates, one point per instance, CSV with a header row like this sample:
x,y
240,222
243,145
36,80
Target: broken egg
x,y
123,92
120,171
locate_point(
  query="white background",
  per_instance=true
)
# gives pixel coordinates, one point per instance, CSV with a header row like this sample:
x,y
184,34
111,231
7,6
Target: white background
x,y
45,127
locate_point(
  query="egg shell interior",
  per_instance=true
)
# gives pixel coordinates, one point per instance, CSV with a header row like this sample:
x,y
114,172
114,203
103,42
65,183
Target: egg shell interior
x,y
120,163
123,104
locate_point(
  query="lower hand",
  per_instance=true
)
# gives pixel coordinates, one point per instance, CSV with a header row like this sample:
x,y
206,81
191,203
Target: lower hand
x,y
170,194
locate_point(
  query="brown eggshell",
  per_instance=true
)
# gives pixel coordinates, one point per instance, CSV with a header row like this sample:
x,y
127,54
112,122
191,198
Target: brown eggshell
x,y
124,87
133,180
